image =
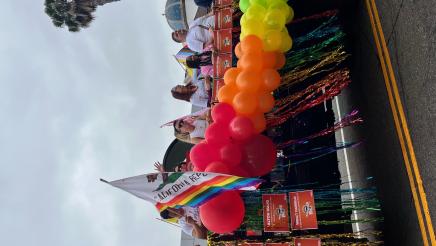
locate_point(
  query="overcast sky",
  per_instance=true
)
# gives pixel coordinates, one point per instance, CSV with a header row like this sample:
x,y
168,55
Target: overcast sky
x,y
75,107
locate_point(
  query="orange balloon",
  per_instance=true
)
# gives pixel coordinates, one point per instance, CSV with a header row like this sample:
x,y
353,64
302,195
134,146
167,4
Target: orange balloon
x,y
280,60
269,59
249,81
251,43
266,102
259,121
245,103
238,50
271,79
230,75
252,61
227,93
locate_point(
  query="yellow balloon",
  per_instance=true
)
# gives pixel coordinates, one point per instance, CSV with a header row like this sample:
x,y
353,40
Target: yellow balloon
x,y
242,35
286,43
259,2
243,20
253,27
280,5
291,14
274,19
255,11
272,40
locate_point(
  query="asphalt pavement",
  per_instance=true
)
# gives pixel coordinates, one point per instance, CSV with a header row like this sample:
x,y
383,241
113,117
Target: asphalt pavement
x,y
409,27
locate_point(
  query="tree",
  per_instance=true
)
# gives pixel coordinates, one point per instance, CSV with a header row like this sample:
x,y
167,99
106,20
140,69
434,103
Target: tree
x,y
74,14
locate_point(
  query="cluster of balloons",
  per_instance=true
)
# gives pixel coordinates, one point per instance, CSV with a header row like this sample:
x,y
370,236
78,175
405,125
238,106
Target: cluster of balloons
x,y
233,147
267,19
233,143
248,86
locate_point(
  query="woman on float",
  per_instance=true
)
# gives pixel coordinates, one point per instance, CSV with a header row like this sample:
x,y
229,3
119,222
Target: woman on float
x,y
191,130
197,91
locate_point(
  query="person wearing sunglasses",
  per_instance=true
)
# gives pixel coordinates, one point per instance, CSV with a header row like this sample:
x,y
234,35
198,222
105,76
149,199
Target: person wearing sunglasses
x,y
190,129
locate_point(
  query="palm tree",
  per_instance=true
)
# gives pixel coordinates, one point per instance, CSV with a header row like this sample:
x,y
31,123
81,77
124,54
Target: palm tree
x,y
75,14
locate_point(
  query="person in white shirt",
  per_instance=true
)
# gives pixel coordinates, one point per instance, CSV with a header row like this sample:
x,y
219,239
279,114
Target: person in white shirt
x,y
199,35
191,130
197,92
189,220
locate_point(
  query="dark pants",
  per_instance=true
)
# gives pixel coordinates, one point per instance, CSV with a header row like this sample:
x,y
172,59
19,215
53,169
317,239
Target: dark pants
x,y
203,3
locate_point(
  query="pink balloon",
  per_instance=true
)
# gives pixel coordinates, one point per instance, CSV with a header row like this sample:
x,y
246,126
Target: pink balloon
x,y
217,133
241,128
217,167
258,155
224,213
223,113
202,154
231,154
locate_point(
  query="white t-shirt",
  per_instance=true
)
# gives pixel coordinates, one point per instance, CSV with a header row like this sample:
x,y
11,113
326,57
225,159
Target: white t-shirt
x,y
197,36
200,96
193,213
200,129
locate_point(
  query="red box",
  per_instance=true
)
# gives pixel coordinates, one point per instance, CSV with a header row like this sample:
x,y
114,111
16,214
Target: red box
x,y
275,213
303,213
307,242
222,41
221,3
224,18
221,63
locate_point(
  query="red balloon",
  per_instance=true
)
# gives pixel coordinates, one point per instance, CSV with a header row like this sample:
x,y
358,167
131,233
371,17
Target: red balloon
x,y
223,113
231,154
238,171
224,213
197,169
258,155
241,128
217,167
202,154
217,133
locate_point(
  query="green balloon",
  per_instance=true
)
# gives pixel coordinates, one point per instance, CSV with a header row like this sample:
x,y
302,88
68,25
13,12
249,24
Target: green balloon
x,y
244,5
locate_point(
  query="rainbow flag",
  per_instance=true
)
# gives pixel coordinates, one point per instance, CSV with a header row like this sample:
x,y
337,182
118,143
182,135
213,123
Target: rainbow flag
x,y
182,189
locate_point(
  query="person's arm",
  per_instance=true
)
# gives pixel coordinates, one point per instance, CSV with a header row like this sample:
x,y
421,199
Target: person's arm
x,y
199,231
205,116
210,42
196,140
207,83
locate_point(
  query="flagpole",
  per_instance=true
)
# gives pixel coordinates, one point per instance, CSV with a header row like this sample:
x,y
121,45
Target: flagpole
x,y
104,181
168,222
